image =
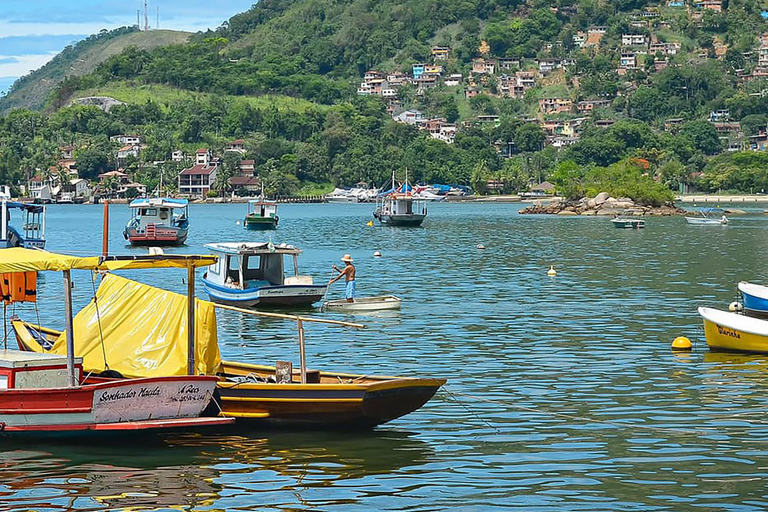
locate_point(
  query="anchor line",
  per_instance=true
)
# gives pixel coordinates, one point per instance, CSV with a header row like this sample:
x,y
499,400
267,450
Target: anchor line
x,y
470,411
536,410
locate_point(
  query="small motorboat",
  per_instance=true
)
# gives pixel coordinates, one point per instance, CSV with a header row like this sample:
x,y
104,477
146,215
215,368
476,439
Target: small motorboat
x,y
379,303
708,217
628,223
30,233
754,298
261,216
732,332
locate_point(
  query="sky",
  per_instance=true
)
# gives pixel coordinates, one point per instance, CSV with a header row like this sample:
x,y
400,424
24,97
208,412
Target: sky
x,y
33,31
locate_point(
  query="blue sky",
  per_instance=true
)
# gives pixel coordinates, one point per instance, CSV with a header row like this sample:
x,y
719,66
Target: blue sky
x,y
33,31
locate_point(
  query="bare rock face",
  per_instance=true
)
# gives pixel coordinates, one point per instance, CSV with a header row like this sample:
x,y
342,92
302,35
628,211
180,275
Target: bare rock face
x,y
601,198
603,205
105,103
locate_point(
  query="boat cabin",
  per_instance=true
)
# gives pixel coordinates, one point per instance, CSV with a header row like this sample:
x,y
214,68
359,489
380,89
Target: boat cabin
x,y
403,205
158,211
32,232
32,370
255,265
262,209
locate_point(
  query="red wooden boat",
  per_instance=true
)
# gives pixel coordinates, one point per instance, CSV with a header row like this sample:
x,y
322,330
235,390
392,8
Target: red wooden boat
x,y
43,394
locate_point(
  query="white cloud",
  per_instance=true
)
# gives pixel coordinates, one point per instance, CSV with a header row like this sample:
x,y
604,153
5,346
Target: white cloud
x,y
20,65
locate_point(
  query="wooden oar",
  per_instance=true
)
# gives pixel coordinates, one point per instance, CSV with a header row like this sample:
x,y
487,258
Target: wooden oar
x,y
290,317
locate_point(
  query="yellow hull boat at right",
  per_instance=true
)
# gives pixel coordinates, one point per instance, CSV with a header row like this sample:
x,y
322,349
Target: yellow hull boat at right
x,y
732,332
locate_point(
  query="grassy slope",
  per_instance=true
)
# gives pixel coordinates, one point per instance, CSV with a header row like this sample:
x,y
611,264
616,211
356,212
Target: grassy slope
x,y
165,95
35,92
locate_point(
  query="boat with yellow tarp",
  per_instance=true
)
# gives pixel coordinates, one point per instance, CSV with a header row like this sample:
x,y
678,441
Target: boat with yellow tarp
x,y
47,394
123,331
732,332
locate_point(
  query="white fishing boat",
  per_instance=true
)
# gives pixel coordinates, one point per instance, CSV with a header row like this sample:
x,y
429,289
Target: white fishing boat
x,y
249,274
708,217
378,303
628,223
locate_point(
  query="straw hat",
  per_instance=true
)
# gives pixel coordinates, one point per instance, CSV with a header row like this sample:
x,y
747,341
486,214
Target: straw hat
x,y
347,257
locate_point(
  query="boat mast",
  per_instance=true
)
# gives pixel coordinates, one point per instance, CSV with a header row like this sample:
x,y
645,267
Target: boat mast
x,y
69,325
190,318
4,220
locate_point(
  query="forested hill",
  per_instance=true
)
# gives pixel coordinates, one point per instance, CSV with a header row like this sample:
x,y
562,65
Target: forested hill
x,y
635,97
33,90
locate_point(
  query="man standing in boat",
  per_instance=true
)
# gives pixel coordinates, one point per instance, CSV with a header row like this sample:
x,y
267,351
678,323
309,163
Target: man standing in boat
x,y
349,274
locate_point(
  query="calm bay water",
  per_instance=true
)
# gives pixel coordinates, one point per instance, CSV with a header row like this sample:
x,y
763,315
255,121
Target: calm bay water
x,y
563,393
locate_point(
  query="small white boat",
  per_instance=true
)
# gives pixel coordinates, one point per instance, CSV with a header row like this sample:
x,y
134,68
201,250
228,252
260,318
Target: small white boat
x,y
708,217
628,223
378,303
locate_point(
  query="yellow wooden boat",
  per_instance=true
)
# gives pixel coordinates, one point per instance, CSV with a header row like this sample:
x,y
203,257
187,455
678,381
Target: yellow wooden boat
x,y
732,332
124,331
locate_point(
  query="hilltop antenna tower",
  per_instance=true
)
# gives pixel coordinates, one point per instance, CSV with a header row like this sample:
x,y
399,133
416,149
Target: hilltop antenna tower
x,y
157,21
138,18
146,17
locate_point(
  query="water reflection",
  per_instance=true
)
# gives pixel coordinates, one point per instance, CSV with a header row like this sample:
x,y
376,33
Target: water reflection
x,y
191,470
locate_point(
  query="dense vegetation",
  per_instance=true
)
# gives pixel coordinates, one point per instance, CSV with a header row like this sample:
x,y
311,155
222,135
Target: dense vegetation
x,y
317,50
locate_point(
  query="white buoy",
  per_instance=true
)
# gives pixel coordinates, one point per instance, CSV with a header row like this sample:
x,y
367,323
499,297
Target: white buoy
x,y
551,271
377,254
238,223
735,307
155,251
480,246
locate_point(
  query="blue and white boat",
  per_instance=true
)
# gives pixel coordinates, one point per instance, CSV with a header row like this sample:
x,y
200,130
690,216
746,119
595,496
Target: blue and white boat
x,y
29,232
249,274
754,299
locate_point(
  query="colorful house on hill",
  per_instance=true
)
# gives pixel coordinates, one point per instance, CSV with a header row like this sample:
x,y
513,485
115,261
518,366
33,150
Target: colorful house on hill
x,y
197,180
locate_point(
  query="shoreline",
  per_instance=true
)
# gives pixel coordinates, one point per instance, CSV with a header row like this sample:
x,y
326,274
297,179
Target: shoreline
x,y
714,198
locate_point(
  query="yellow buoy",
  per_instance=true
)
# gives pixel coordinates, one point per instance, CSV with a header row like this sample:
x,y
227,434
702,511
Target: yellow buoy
x,y
370,223
681,343
551,271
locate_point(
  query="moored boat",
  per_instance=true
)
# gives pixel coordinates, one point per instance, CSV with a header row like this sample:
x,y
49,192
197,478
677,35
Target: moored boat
x,y
399,207
628,223
378,303
158,221
708,217
254,394
252,274
262,215
732,332
754,299
30,233
47,394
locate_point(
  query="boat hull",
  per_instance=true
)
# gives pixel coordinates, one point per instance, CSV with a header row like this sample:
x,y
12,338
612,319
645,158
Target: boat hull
x,y
331,401
381,303
136,404
755,299
159,236
275,296
731,332
259,223
407,220
704,222
628,223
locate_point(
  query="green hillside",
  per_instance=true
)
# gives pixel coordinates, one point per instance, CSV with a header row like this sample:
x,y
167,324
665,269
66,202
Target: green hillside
x,y
636,97
33,90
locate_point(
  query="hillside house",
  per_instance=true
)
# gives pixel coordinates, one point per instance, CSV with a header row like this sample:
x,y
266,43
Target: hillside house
x,y
579,39
126,140
634,40
762,55
203,157
628,60
759,142
712,5
471,92
397,79
236,145
67,152
126,152
481,66
720,115
587,106
453,80
373,75
246,180
197,180
507,63
177,155
412,117
604,123
80,187
440,52
546,66
555,105
426,81
417,70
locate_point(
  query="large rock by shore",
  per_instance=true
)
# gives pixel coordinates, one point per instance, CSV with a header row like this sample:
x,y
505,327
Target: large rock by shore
x,y
602,204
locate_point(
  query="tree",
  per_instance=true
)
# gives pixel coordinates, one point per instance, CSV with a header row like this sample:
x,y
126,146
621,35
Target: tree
x,y
529,137
703,136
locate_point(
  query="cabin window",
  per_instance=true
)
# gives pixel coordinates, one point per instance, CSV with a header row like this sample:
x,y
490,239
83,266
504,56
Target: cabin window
x,y
252,268
272,268
215,268
149,212
163,213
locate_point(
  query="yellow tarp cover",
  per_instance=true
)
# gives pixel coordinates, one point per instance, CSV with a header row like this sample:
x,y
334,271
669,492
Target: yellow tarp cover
x,y
18,259
144,331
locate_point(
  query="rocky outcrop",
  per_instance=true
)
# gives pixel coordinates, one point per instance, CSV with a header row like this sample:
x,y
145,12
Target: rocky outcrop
x,y
602,204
